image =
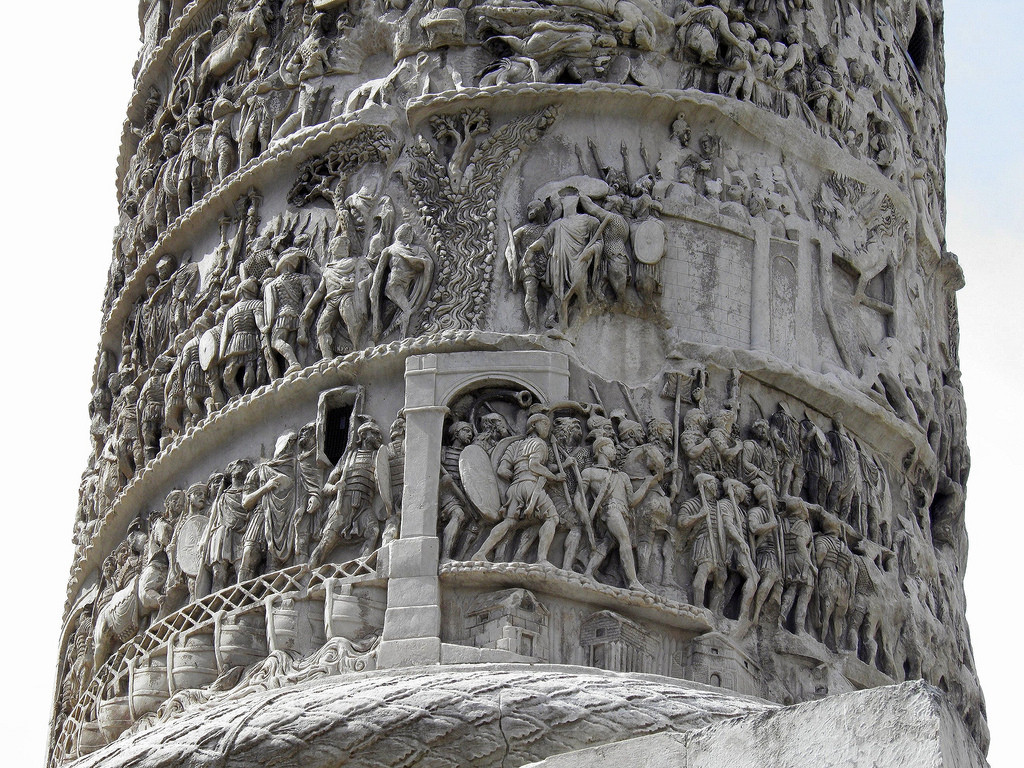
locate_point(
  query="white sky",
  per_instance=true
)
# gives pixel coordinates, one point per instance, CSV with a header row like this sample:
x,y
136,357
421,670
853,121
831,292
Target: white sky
x,y
68,73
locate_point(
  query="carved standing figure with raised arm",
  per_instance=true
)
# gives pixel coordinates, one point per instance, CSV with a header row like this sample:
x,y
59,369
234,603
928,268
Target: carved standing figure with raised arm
x,y
403,275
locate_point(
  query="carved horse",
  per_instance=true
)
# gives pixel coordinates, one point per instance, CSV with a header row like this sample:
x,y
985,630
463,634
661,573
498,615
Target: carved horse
x,y
245,28
120,619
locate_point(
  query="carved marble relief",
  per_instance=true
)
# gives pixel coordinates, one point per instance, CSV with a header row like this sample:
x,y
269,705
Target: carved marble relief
x,y
257,559
790,524
725,216
254,73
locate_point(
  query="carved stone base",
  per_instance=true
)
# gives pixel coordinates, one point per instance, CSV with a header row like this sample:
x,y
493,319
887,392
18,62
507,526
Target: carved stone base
x,y
896,726
468,715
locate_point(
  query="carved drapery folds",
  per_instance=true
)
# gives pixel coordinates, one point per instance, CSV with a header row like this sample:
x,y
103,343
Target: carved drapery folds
x,y
668,284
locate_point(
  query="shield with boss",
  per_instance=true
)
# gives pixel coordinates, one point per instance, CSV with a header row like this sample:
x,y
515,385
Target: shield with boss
x,y
649,241
189,549
209,348
480,482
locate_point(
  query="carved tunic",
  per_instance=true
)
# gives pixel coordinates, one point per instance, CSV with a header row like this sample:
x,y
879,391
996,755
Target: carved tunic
x,y
243,327
526,494
228,519
277,506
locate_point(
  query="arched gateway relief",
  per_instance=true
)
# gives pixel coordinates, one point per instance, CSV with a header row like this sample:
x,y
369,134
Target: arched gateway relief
x,y
675,527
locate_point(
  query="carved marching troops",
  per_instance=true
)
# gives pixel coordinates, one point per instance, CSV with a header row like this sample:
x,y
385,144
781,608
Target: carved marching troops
x,y
731,520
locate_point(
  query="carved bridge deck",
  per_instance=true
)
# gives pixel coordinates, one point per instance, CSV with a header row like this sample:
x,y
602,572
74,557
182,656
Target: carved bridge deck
x,y
111,679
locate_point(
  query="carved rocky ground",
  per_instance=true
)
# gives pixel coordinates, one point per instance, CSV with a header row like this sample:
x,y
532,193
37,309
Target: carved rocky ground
x,y
611,334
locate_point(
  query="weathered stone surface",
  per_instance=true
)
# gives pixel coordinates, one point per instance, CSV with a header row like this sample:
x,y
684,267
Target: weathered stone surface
x,y
617,334
909,724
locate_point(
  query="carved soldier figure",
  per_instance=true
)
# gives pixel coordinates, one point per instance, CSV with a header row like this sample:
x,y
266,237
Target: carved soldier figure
x,y
309,494
195,387
151,408
844,498
726,449
566,439
646,465
174,391
615,259
410,272
223,152
696,444
836,578
785,434
800,573
453,508
228,519
493,429
567,443
184,284
571,246
284,298
524,466
817,458
829,91
702,516
344,292
256,121
390,470
241,339
767,543
877,500
757,460
876,609
352,490
609,497
528,266
306,69
181,586
738,558
126,440
156,566
140,326
269,535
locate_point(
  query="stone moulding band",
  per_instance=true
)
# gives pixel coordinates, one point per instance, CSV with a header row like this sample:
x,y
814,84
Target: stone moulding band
x,y
546,578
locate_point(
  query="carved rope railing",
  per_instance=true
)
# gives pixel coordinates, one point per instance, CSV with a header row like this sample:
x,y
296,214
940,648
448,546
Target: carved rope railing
x,y
234,600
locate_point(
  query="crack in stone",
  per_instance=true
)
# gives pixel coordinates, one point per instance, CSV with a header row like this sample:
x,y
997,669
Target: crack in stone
x,y
501,730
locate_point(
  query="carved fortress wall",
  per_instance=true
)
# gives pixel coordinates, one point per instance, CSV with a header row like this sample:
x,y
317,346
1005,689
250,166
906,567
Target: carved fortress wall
x,y
443,339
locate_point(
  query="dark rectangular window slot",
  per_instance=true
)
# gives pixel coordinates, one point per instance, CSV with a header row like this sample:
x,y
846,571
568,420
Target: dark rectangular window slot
x,y
336,432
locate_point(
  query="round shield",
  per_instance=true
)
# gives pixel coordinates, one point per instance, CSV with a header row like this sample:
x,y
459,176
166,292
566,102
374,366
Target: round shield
x,y
649,241
189,549
480,482
209,348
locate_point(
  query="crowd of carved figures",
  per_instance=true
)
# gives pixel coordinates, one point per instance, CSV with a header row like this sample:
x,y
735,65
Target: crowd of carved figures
x,y
597,239
791,523
260,70
276,296
256,516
